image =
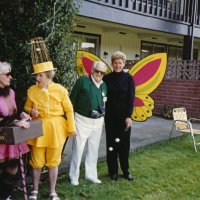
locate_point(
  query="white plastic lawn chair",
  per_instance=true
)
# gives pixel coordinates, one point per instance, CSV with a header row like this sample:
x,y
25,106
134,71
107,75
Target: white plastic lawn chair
x,y
183,125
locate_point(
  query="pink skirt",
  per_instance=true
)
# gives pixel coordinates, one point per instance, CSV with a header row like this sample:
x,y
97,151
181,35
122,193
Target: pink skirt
x,y
12,151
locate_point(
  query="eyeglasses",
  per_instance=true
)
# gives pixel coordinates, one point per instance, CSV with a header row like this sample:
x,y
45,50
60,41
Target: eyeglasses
x,y
99,72
7,74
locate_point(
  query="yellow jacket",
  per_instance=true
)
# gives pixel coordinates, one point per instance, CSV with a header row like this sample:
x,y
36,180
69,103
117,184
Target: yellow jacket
x,y
55,111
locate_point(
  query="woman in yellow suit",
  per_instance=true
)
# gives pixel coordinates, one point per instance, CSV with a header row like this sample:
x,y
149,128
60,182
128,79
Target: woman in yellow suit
x,y
49,102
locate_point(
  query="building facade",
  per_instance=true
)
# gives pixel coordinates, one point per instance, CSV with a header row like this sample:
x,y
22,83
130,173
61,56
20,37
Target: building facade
x,y
143,27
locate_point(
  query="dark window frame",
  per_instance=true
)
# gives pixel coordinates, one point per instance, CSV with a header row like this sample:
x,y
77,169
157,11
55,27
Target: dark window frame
x,y
91,36
153,43
167,47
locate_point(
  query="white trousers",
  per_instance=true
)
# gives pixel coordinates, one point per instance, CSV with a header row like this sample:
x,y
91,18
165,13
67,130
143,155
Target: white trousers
x,y
88,130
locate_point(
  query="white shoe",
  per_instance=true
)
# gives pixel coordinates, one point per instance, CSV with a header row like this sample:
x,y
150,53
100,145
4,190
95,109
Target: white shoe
x,y
8,198
74,183
54,196
33,195
94,180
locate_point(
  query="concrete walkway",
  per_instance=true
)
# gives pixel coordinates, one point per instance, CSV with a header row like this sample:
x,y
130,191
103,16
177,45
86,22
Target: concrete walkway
x,y
154,130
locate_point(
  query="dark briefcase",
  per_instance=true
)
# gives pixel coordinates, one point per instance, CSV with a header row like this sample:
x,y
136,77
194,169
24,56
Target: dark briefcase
x,y
16,135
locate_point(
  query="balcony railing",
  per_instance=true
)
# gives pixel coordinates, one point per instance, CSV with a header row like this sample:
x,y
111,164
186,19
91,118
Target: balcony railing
x,y
180,10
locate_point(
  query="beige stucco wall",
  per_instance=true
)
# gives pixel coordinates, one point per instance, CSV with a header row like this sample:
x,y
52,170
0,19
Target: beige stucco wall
x,y
130,43
113,41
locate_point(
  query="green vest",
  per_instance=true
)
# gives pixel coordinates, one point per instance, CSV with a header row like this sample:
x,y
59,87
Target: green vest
x,y
85,96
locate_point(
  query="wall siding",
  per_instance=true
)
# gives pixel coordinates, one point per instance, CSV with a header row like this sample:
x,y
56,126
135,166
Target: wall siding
x,y
113,41
178,93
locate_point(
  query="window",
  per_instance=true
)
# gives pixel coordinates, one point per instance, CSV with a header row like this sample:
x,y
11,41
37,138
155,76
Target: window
x,y
148,48
195,54
173,52
89,42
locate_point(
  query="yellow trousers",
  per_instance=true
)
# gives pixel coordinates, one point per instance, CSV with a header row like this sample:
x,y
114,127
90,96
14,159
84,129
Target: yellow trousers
x,y
43,156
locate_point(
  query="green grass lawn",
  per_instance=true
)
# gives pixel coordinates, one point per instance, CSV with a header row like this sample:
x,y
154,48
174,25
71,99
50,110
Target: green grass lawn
x,y
166,171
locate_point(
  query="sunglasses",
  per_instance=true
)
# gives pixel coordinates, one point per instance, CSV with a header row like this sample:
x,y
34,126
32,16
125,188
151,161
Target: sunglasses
x,y
99,72
7,74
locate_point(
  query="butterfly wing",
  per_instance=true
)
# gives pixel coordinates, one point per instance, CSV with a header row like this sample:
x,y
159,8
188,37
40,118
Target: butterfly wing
x,y
143,107
147,74
85,62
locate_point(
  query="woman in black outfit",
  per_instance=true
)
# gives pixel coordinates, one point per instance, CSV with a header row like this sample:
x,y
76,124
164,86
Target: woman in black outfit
x,y
119,108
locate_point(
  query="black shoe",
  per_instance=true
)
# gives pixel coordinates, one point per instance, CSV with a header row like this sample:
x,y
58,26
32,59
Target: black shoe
x,y
129,177
113,177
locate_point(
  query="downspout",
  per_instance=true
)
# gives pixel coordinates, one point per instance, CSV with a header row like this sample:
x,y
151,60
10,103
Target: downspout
x,y
192,28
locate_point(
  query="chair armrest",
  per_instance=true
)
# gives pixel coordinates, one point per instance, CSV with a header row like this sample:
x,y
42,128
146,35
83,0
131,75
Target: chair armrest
x,y
194,119
180,120
185,121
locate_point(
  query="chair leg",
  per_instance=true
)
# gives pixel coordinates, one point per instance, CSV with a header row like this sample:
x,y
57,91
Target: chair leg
x,y
171,132
194,143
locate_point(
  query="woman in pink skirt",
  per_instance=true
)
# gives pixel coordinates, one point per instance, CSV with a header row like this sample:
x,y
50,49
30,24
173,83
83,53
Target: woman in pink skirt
x,y
9,154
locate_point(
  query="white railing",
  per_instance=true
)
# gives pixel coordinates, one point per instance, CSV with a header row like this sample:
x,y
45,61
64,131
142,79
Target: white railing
x,y
179,10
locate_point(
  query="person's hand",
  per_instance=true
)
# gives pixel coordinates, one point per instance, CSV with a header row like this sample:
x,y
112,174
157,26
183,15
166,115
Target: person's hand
x,y
25,116
128,122
34,112
72,134
22,123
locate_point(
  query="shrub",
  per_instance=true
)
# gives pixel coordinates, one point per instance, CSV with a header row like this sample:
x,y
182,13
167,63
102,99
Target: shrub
x,y
25,19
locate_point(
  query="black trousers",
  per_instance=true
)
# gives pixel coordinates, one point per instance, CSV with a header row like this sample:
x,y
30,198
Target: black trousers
x,y
7,180
117,149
